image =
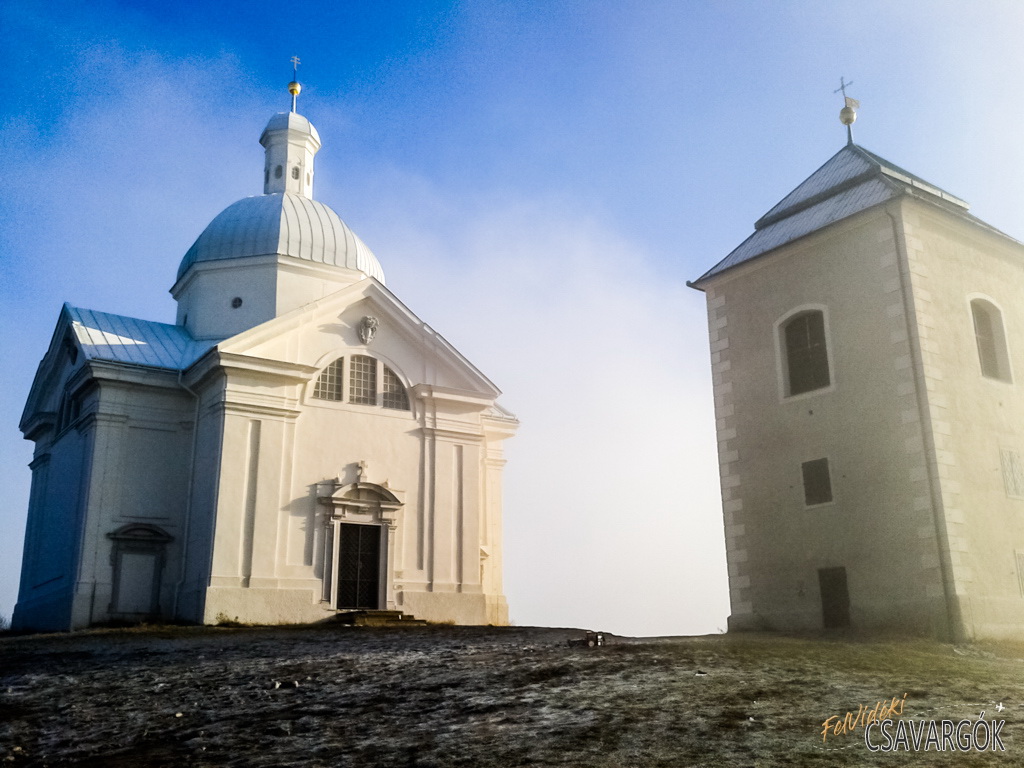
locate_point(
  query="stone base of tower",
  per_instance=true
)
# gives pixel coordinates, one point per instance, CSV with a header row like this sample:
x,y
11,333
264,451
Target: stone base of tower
x,y
745,622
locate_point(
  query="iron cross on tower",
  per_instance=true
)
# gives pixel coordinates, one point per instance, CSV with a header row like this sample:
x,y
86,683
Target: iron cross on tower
x,y
849,111
842,85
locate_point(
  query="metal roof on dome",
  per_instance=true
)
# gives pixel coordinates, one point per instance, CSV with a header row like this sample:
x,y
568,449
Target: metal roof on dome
x,y
287,224
290,121
851,181
120,339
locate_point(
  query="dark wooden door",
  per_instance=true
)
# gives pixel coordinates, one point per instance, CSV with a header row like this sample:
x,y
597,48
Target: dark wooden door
x,y
835,598
359,566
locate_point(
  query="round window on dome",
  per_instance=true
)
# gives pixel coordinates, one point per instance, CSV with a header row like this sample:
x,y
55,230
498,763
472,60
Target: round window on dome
x,y
236,302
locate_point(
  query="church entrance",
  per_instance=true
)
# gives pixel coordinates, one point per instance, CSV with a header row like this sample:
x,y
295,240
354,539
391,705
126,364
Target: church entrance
x,y
835,598
359,544
359,566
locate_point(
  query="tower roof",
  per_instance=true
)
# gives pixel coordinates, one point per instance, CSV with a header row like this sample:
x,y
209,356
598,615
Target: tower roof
x,y
289,121
851,181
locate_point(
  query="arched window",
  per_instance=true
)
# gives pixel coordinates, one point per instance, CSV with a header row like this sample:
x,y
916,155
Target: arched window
x,y
806,353
295,172
329,384
366,384
362,380
395,395
991,340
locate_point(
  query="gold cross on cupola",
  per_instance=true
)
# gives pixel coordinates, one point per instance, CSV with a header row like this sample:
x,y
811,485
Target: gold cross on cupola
x,y
294,88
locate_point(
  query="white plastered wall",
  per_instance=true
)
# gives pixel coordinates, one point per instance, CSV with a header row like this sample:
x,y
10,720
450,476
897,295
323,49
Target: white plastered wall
x,y
973,418
280,443
867,423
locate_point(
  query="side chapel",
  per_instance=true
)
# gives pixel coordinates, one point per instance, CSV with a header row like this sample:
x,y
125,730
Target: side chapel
x,y
296,444
866,350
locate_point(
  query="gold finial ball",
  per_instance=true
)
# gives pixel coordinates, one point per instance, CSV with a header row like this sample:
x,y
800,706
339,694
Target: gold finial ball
x,y
294,87
847,115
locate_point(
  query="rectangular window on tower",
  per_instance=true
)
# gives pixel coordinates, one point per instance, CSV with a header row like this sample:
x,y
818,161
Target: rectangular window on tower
x,y
817,482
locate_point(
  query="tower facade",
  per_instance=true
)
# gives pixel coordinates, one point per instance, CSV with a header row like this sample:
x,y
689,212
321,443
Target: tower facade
x,y
864,343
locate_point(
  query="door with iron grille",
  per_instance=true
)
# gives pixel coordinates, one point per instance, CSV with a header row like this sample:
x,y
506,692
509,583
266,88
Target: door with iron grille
x,y
359,566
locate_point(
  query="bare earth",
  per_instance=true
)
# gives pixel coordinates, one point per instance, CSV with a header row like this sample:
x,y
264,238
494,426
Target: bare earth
x,y
464,696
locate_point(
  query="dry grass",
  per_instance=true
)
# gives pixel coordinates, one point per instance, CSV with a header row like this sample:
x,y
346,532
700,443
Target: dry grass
x,y
457,696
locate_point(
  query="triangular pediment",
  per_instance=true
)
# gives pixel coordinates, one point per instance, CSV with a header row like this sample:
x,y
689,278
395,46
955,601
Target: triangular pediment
x,y
317,333
53,369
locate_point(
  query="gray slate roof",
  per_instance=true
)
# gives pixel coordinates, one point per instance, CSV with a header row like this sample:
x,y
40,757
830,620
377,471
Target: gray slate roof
x,y
120,339
852,181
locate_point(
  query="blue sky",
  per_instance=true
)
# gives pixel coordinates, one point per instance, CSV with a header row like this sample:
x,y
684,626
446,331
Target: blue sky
x,y
539,180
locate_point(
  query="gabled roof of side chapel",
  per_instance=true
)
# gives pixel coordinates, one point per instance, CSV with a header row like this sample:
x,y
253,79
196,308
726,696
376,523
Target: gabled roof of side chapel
x,y
120,339
852,180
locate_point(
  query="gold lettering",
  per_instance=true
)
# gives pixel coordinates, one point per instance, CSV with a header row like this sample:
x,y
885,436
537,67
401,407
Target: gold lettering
x,y
872,716
826,725
884,709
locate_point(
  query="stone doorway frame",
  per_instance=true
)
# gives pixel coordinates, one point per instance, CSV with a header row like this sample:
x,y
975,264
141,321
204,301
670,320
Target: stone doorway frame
x,y
365,504
137,539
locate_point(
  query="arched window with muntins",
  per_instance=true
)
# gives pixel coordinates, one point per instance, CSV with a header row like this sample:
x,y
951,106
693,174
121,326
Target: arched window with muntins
x,y
394,394
991,340
369,382
362,380
329,384
806,353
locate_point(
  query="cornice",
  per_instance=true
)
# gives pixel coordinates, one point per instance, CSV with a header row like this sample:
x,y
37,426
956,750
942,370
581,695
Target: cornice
x,y
445,433
296,373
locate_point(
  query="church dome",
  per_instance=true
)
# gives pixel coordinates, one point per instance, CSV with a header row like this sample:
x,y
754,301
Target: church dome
x,y
282,223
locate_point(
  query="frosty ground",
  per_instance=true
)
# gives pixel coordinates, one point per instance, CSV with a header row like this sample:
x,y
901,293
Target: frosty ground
x,y
461,696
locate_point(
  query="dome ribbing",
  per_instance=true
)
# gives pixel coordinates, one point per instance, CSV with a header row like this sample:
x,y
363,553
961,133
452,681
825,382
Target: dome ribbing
x,y
286,224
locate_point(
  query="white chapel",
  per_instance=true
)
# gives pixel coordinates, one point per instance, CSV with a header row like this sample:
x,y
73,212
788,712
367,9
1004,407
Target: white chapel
x,y
296,444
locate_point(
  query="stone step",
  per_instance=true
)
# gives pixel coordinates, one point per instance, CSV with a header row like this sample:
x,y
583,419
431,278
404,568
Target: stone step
x,y
369,618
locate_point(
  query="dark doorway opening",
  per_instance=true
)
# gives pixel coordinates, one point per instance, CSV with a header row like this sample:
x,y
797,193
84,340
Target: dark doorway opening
x,y
835,598
359,566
